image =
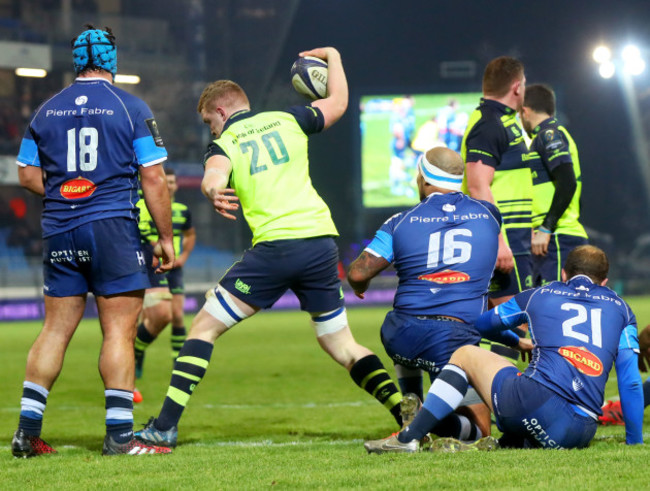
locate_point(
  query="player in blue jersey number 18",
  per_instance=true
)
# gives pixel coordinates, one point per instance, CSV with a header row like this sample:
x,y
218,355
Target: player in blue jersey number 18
x,y
85,163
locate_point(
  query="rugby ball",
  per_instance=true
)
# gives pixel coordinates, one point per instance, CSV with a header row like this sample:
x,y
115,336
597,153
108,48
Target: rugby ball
x,y
309,77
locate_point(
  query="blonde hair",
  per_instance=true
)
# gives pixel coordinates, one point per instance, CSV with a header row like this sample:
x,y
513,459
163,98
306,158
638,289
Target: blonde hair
x,y
225,92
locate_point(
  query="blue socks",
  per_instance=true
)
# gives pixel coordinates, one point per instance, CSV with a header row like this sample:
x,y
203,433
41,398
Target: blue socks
x,y
32,406
119,414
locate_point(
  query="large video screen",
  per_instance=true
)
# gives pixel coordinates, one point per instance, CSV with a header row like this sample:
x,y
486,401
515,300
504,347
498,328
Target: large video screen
x,y
396,129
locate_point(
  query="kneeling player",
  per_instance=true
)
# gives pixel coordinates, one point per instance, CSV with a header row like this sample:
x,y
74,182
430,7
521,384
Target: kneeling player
x,y
579,328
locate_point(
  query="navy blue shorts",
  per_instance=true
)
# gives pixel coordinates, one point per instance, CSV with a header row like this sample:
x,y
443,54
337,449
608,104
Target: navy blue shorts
x,y
424,343
155,280
547,268
175,281
308,267
103,257
528,410
518,280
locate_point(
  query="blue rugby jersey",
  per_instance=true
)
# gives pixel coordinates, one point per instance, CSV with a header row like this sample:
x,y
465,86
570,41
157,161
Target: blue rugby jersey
x,y
90,139
579,329
444,250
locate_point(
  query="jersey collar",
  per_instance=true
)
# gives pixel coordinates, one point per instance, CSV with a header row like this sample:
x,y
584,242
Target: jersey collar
x,y
92,79
237,116
499,106
581,280
546,122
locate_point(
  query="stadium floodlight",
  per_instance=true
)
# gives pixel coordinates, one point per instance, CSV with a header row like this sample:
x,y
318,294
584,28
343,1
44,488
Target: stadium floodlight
x,y
31,72
634,67
630,53
602,54
126,79
607,69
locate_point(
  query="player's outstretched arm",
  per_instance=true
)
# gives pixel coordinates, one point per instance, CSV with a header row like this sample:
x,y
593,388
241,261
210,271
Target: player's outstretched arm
x,y
156,196
363,269
631,392
335,104
215,179
31,178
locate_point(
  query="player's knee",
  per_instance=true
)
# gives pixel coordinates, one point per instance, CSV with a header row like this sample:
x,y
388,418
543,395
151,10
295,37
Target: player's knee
x,y
462,355
329,322
220,305
153,299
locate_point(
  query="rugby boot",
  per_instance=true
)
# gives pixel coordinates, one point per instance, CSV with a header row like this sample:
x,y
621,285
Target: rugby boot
x,y
391,445
137,396
132,447
452,445
24,446
409,407
612,414
153,436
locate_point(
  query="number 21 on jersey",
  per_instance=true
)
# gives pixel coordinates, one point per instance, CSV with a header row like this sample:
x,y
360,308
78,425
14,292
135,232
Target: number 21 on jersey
x,y
582,315
83,146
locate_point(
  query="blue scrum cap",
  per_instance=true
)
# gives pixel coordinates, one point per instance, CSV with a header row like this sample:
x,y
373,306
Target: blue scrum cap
x,y
94,48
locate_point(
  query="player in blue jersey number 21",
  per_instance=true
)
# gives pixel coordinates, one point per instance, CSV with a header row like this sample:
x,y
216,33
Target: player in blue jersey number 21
x,y
578,328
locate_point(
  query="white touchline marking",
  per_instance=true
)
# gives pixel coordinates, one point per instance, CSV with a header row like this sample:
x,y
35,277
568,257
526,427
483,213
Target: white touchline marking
x,y
305,405
243,444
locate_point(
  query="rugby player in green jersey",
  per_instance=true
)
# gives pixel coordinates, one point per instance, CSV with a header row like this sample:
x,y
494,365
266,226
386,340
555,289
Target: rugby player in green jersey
x,y
557,186
497,171
263,158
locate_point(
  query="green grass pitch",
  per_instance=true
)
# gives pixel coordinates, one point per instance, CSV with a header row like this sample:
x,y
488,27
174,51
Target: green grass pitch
x,y
273,410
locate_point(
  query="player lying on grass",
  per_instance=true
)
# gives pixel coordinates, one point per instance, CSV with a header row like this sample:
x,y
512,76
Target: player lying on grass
x,y
578,329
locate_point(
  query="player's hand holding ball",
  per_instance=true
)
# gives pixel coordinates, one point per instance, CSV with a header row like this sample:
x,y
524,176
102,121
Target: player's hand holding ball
x,y
309,73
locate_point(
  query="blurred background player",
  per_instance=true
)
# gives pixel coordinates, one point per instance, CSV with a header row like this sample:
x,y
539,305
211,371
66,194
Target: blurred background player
x,y
264,155
451,125
557,186
444,250
86,163
578,329
402,128
496,170
164,301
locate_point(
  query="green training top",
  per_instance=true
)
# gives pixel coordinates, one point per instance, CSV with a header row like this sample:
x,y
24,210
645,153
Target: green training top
x,y
270,172
494,137
555,146
181,221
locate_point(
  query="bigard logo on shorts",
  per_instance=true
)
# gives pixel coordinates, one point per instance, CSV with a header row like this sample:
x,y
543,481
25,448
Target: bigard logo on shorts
x,y
583,359
445,277
76,188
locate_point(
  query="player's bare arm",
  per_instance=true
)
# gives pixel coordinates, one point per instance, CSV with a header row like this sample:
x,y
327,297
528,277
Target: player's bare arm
x,y
363,269
156,196
479,178
335,104
31,178
215,179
